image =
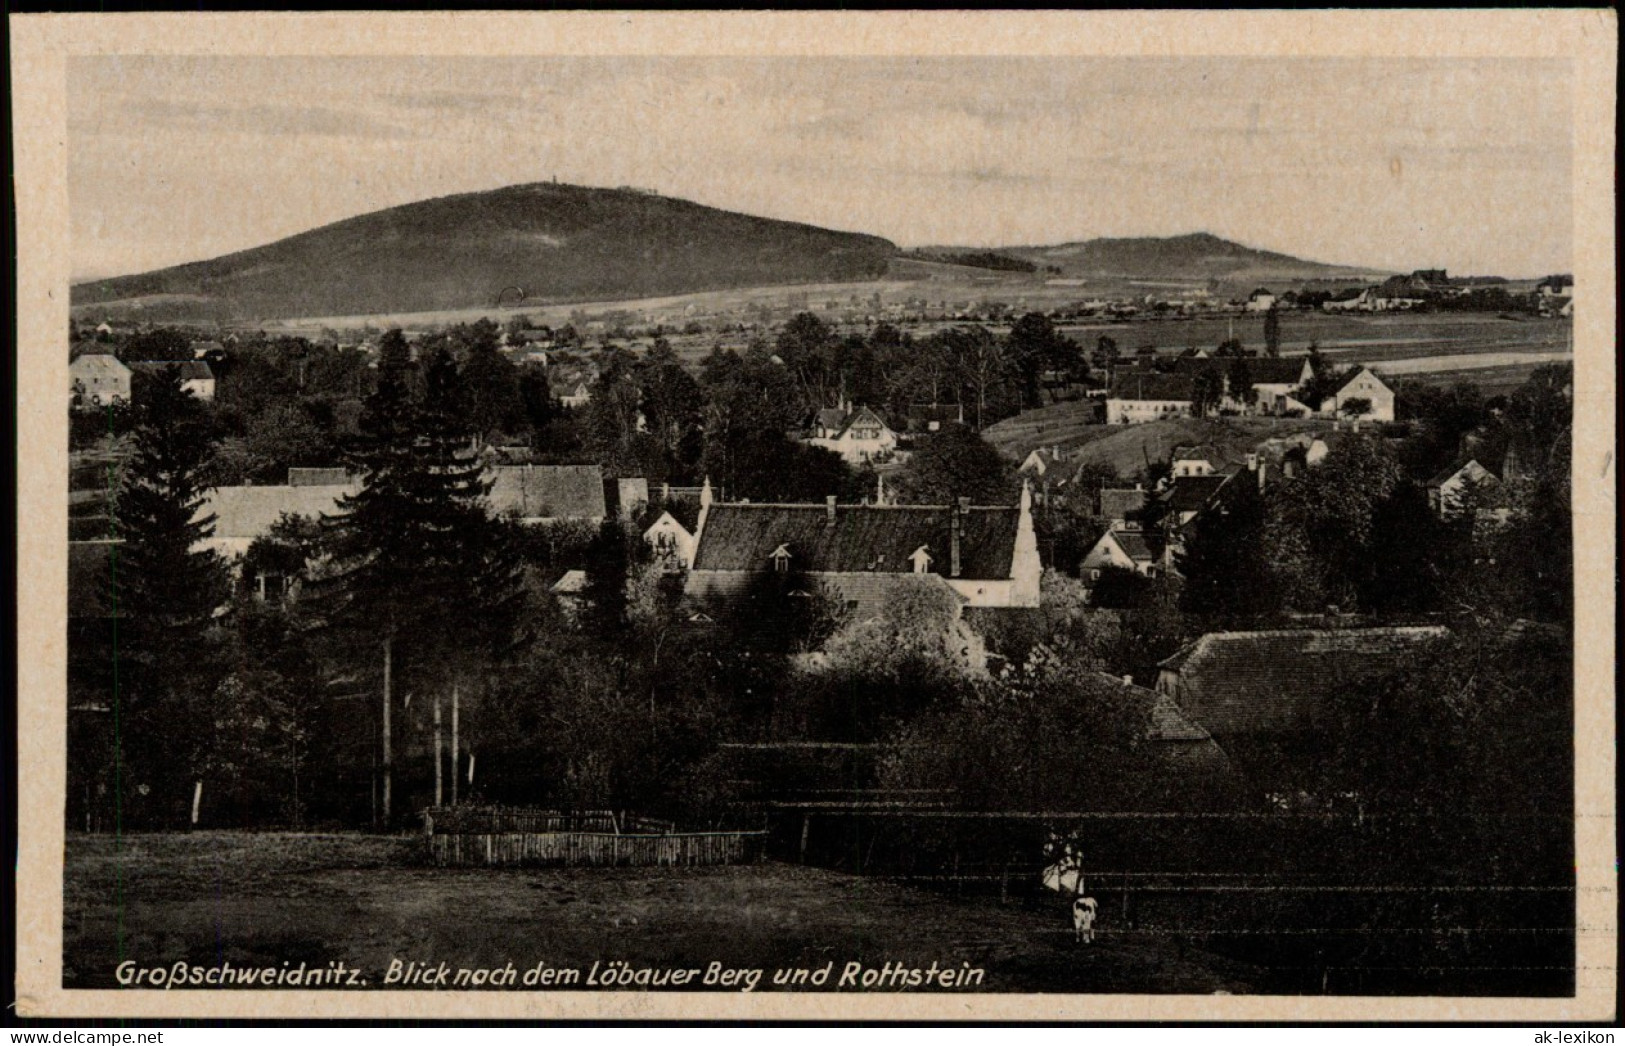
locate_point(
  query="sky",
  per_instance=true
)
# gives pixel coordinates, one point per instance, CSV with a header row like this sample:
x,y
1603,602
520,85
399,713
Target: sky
x,y
1399,164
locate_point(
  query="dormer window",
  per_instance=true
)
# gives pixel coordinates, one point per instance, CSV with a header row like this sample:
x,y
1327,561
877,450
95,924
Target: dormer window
x,y
921,558
781,560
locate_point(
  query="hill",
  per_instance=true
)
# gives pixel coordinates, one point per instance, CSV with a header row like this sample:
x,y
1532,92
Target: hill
x,y
555,242
1195,256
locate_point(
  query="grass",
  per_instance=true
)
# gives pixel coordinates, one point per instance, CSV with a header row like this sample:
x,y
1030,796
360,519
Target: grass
x,y
215,897
1127,448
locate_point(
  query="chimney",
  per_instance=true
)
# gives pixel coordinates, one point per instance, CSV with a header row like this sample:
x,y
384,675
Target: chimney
x,y
956,523
1263,471
829,510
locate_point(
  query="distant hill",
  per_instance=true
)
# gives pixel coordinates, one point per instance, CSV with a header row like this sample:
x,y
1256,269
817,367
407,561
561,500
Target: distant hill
x,y
1195,256
555,242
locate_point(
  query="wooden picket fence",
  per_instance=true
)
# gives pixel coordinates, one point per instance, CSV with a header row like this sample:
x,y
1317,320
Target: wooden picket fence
x,y
596,839
482,820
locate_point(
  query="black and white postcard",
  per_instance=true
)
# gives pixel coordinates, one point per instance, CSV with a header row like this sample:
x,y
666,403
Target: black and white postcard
x,y
834,516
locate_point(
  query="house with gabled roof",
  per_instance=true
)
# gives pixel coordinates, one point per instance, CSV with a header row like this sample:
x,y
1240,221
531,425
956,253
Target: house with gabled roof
x,y
1123,549
1189,496
1365,384
858,435
986,554
674,533
1276,383
1139,396
98,379
1201,459
1042,461
1450,490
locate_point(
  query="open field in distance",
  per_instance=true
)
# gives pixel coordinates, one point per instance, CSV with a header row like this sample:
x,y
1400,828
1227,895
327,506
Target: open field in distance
x,y
262,899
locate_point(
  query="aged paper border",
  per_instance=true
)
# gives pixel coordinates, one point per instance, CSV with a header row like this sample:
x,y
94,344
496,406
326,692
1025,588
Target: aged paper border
x,y
39,49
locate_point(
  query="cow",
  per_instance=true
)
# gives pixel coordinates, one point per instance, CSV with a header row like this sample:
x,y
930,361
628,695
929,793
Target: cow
x,y
1083,920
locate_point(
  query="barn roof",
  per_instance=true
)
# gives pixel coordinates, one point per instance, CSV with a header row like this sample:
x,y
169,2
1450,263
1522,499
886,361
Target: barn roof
x,y
862,538
1135,544
1150,385
1121,504
1279,681
319,477
1192,493
251,512
100,364
1286,370
830,418
548,491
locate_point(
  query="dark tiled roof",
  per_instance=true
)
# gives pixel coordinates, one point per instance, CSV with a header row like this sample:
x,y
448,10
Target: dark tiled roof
x,y
1192,493
832,418
191,370
1279,681
1121,504
1284,371
1136,544
548,491
1149,385
318,477
685,511
862,538
862,416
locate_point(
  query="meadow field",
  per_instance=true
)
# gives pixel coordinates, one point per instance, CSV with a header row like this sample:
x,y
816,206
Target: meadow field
x,y
209,898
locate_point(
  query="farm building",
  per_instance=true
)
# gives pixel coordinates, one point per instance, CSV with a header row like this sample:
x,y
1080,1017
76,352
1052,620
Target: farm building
x,y
1141,396
1283,681
987,555
99,379
1366,384
543,493
243,515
